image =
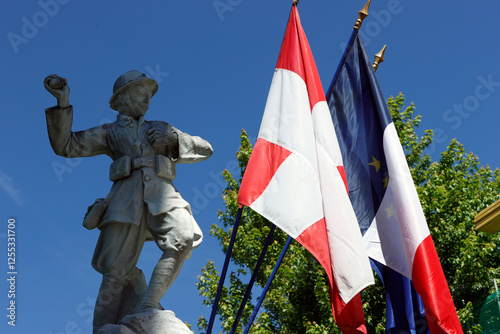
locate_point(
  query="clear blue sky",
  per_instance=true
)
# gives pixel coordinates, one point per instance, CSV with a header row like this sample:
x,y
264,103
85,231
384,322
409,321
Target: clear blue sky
x,y
214,68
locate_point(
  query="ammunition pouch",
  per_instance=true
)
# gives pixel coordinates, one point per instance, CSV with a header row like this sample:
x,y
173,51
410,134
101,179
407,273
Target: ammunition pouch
x,y
165,167
120,168
94,213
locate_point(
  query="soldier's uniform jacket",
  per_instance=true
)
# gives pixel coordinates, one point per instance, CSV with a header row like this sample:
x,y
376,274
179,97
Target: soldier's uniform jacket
x,y
141,172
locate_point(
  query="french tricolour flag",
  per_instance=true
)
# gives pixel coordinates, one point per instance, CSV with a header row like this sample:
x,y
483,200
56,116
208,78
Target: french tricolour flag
x,y
295,177
386,203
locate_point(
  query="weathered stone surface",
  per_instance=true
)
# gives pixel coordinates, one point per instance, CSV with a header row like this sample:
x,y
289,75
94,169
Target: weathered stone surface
x,y
150,322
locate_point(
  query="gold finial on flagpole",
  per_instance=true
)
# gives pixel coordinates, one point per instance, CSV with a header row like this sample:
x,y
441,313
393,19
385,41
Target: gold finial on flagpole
x,y
379,57
362,14
296,2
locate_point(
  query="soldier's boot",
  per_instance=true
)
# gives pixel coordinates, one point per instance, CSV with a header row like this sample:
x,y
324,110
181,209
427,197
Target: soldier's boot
x,y
108,303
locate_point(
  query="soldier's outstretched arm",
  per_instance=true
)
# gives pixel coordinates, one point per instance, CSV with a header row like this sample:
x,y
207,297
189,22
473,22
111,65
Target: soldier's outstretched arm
x,y
192,148
60,119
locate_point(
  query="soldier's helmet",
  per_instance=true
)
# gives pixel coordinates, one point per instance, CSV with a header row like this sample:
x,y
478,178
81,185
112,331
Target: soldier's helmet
x,y
129,80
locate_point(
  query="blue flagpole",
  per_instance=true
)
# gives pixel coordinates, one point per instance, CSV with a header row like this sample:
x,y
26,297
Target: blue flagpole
x,y
224,271
264,292
252,279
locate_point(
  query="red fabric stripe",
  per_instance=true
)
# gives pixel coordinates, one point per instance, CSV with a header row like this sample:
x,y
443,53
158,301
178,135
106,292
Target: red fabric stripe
x,y
350,317
344,178
315,240
301,62
265,160
430,282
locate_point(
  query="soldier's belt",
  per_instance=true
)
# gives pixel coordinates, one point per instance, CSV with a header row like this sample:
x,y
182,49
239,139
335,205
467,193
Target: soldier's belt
x,y
143,162
121,168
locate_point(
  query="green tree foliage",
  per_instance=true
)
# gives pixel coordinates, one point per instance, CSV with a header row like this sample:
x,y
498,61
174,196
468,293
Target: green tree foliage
x,y
452,191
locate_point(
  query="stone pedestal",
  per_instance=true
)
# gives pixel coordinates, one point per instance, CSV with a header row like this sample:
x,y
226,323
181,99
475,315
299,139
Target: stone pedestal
x,y
150,322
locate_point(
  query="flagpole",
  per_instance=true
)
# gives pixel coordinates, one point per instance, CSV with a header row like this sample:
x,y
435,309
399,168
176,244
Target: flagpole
x,y
379,58
252,279
224,270
266,288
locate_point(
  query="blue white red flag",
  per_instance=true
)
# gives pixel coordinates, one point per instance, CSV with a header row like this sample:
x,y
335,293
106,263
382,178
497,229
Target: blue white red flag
x,y
386,203
295,177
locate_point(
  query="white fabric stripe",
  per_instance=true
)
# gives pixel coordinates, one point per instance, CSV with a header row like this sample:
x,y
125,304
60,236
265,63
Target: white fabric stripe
x,y
324,130
287,116
308,184
350,264
292,200
383,238
400,225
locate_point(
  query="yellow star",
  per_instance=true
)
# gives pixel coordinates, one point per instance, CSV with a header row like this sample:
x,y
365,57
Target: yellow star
x,y
386,181
390,211
375,163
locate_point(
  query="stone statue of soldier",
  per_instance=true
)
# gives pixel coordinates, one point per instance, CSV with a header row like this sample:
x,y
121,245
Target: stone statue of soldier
x,y
143,203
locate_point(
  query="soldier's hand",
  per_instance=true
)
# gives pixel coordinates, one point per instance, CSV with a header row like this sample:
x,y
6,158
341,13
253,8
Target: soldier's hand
x,y
159,137
58,87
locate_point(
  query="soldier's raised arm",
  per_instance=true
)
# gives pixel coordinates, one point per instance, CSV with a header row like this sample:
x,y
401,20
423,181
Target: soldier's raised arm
x,y
59,118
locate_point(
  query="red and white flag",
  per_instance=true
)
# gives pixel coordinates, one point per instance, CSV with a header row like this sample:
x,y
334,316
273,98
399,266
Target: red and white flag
x,y
295,177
